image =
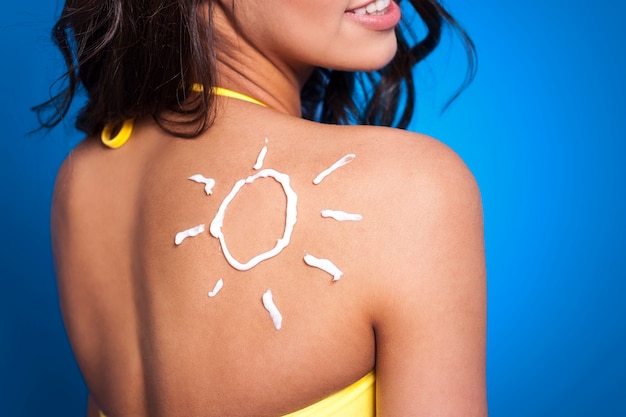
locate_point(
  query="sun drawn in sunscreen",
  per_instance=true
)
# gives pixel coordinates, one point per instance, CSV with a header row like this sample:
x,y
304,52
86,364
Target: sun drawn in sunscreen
x,y
291,209
290,221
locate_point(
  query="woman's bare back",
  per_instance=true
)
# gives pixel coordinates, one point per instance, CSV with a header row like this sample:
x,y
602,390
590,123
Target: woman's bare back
x,y
148,336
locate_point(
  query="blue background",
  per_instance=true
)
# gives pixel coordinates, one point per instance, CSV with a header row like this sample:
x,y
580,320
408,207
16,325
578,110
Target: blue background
x,y
542,128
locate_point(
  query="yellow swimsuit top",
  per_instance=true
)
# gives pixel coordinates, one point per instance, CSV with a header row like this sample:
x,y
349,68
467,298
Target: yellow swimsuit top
x,y
127,127
358,399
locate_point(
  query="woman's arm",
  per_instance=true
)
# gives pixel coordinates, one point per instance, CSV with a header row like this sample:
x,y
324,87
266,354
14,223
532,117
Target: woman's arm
x,y
430,333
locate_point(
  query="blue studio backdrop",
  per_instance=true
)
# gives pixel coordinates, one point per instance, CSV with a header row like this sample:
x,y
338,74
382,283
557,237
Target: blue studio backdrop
x,y
542,128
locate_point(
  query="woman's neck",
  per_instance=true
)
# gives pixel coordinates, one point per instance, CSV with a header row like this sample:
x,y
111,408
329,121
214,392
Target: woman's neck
x,y
278,94
243,68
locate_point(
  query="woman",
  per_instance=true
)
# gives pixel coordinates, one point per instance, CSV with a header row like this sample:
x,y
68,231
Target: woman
x,y
213,276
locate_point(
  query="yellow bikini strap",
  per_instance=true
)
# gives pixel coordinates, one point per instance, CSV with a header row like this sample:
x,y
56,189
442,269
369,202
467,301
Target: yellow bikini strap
x,y
225,92
120,138
127,127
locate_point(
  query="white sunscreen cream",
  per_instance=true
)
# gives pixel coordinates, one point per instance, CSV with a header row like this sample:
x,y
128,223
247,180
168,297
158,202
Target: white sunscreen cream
x,y
290,219
341,216
217,288
194,231
261,157
324,265
343,161
209,183
269,305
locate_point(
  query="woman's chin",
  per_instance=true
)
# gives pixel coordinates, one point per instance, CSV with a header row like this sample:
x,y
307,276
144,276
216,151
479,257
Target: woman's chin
x,y
375,60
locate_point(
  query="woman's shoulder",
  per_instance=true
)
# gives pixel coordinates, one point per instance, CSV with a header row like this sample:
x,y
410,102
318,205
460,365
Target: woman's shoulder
x,y
417,197
77,179
384,141
72,173
404,160
86,182
412,190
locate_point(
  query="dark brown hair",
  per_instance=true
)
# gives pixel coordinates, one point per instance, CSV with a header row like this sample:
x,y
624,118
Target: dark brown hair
x,y
139,58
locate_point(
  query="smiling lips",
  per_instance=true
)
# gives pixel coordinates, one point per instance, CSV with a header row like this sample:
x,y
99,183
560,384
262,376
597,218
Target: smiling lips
x,y
376,7
379,15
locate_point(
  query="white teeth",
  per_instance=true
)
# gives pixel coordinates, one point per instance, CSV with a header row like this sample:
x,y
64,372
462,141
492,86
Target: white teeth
x,y
374,7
